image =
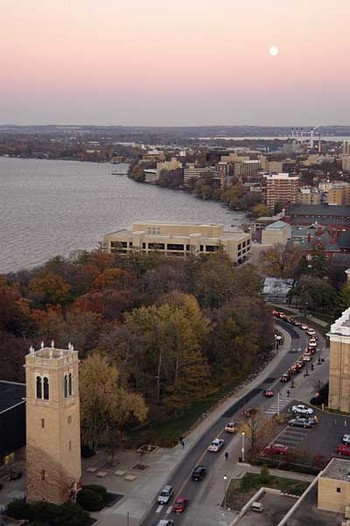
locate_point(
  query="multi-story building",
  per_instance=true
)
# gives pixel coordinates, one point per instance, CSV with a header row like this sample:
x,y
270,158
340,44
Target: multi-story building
x,y
339,194
346,156
281,189
334,487
337,217
309,196
339,363
225,173
53,424
194,172
179,240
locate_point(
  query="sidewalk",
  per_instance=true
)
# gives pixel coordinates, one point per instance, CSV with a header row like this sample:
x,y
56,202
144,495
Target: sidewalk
x,y
140,492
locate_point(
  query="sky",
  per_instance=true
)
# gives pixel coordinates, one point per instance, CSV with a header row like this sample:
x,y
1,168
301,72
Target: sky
x,y
175,63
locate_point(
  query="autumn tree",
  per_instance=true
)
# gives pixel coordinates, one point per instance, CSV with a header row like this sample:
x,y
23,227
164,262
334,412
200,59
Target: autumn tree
x,y
281,261
259,429
106,408
49,289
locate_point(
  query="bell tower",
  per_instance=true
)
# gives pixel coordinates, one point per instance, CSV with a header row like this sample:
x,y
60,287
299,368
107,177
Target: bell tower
x,y
339,363
53,424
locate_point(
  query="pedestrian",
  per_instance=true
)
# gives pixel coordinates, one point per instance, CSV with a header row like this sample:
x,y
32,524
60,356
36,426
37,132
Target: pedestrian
x,y
288,393
182,442
312,367
226,455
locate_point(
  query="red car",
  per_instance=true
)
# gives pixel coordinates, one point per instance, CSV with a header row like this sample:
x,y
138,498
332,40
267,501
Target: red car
x,y
276,449
268,393
249,412
285,377
343,449
180,505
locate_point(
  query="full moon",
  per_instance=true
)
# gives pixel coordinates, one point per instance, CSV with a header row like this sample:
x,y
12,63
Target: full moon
x,y
273,51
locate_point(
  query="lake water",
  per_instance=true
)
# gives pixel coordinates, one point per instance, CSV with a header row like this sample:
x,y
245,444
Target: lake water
x,y
57,207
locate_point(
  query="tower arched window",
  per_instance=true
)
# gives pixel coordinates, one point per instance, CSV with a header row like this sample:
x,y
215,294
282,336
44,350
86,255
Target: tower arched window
x,y
66,385
39,387
46,388
70,384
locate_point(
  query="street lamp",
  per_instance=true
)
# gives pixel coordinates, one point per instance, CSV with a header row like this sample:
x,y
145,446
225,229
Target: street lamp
x,y
225,482
242,448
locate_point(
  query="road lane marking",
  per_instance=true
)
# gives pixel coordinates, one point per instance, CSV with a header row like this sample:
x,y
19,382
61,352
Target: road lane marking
x,y
159,509
168,510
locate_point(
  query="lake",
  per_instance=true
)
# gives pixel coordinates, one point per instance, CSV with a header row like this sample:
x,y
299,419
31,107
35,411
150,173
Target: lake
x,y
49,208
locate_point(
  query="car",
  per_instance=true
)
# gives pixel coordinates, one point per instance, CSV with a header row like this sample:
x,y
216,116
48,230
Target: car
x,y
307,357
312,343
165,522
300,364
311,331
276,449
304,326
302,410
249,412
301,422
199,473
231,427
285,377
268,393
165,495
343,449
180,504
216,445
297,323
346,439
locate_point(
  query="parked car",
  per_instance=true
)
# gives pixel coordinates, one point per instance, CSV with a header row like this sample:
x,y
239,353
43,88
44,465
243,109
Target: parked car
x,y
165,522
310,331
199,473
231,427
346,439
180,504
312,343
304,326
216,445
343,449
285,377
249,412
268,393
276,449
307,357
165,495
302,410
302,422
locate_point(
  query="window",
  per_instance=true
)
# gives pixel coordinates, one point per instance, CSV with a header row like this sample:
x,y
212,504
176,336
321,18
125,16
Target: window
x,y
70,445
156,246
46,388
68,385
338,490
175,246
42,423
39,387
200,248
211,248
43,474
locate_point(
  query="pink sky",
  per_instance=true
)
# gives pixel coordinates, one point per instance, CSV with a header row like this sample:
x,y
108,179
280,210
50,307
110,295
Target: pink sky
x,y
186,62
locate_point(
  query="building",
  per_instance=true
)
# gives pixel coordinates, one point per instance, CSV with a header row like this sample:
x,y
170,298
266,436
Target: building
x,y
337,217
179,240
281,189
339,364
225,173
339,194
12,419
53,424
309,196
334,487
278,232
194,172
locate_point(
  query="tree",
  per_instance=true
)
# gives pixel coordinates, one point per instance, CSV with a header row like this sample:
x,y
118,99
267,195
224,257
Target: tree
x,y
106,408
49,288
281,261
343,300
259,429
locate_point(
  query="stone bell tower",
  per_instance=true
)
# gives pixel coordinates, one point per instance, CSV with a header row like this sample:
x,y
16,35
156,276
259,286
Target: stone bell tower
x,y
53,424
339,363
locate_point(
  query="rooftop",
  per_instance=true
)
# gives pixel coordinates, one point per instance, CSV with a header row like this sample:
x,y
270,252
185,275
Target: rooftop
x,y
11,394
320,210
278,225
342,325
337,469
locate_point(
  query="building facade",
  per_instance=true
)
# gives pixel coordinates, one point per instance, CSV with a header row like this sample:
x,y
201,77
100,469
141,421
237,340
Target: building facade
x,y
179,240
334,487
281,189
339,363
53,424
12,419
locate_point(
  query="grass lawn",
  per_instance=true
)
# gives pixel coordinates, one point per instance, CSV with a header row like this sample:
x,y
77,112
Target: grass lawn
x,y
240,491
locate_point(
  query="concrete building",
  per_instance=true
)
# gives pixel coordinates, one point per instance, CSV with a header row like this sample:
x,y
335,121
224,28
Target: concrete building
x,y
53,424
281,189
276,233
179,240
339,363
334,487
339,194
12,419
194,172
309,196
173,164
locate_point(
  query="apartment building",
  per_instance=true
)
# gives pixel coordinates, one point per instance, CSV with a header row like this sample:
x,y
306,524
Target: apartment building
x,y
309,196
194,172
179,240
339,194
281,189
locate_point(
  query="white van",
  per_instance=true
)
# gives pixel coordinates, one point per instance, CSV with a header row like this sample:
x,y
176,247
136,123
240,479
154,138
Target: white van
x,y
257,506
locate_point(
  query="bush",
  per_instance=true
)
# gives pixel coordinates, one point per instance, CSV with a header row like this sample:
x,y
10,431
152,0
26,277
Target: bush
x,y
265,476
100,490
47,514
18,509
87,452
90,500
